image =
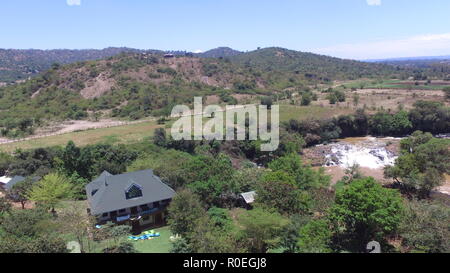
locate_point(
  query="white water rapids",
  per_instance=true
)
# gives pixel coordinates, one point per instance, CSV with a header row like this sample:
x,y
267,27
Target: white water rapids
x,y
370,153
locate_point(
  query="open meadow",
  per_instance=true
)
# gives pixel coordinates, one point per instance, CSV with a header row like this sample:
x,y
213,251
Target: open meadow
x,y
125,134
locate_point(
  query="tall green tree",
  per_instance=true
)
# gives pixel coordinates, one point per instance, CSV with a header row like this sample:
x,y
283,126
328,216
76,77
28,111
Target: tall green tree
x,y
315,237
52,189
184,211
304,176
422,164
278,190
261,229
71,158
365,211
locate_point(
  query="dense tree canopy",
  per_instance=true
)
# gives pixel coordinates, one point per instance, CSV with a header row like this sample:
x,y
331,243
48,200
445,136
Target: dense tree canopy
x,y
422,164
184,210
262,229
426,227
364,211
278,190
29,231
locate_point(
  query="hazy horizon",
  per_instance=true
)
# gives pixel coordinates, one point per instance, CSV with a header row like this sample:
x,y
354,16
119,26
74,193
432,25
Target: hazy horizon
x,y
175,50
352,29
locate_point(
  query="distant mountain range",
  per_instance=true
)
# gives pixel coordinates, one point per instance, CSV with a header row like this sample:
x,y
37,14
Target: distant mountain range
x,y
422,58
21,64
135,85
416,62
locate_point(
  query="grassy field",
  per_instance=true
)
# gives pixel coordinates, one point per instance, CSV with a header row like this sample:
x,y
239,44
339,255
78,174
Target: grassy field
x,y
288,112
136,132
406,86
394,84
120,134
156,245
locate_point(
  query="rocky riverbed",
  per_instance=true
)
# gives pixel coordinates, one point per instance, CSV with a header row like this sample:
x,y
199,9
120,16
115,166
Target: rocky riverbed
x,y
370,153
367,152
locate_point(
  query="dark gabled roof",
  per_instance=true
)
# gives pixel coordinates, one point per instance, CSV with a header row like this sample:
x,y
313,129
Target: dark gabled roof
x,y
17,179
14,181
107,192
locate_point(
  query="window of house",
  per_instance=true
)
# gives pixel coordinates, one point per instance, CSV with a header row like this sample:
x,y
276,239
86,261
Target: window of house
x,y
134,191
144,207
156,204
105,214
122,210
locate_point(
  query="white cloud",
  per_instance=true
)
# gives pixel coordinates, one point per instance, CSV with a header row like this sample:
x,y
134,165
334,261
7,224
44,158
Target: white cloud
x,y
198,51
374,2
422,45
74,2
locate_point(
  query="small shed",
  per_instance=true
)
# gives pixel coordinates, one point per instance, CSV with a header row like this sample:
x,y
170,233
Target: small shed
x,y
15,180
8,182
247,199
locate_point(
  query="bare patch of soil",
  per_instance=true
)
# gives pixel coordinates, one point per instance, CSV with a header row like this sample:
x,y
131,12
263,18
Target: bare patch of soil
x,y
389,99
78,125
445,189
244,98
97,87
213,99
337,173
17,205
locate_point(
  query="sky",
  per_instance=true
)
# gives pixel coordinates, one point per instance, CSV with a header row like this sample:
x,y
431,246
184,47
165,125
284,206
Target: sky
x,y
353,29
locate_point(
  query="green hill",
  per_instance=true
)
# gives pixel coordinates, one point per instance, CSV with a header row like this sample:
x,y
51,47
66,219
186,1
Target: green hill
x,y
135,85
220,52
310,65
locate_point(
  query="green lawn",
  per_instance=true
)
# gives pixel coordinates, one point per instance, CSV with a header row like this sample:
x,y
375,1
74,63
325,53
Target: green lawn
x,y
156,245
